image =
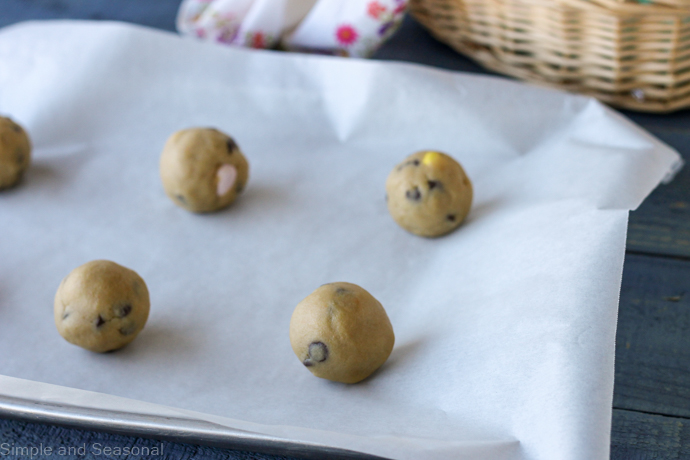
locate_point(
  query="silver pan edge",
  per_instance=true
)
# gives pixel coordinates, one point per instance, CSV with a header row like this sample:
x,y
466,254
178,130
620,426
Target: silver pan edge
x,y
171,429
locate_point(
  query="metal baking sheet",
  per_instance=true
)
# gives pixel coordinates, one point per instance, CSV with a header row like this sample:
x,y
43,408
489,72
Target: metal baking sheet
x,y
184,430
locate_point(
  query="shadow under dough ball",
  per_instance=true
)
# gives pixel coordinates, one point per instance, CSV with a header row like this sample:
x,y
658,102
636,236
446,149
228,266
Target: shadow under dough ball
x,y
202,169
340,332
101,306
429,194
15,153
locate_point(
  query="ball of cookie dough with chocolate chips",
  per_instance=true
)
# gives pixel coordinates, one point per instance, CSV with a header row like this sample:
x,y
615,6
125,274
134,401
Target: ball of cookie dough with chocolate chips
x,y
429,194
101,306
202,169
15,152
340,332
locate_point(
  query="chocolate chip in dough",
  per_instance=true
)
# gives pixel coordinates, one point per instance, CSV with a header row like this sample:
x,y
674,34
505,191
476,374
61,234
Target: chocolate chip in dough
x,y
413,194
101,306
123,310
317,353
340,332
422,198
127,330
231,145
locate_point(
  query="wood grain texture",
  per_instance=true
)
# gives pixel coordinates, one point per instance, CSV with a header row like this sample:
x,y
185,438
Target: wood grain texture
x,y
653,338
92,445
154,13
638,436
677,122
661,225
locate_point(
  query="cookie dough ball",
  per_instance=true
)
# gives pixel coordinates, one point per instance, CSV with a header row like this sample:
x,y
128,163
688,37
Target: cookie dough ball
x,y
341,332
101,306
202,169
429,194
15,152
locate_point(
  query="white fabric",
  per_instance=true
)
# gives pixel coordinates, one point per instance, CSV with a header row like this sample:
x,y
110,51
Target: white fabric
x,y
344,27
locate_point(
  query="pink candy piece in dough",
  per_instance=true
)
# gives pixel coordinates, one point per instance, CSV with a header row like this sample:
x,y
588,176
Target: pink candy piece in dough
x,y
226,178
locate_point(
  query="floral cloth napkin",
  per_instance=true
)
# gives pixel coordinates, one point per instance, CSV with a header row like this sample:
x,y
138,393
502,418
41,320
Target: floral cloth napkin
x,y
343,27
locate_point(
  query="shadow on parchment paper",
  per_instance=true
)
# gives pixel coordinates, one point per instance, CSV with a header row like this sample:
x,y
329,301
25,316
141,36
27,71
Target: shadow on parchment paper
x,y
258,196
401,356
41,173
160,341
480,210
15,189
52,169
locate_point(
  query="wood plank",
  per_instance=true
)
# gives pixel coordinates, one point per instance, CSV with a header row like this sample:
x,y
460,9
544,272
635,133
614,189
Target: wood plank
x,y
653,338
661,225
159,13
638,436
18,434
678,122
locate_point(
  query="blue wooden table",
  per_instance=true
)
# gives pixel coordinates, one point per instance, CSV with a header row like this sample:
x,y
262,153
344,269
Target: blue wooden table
x,y
651,416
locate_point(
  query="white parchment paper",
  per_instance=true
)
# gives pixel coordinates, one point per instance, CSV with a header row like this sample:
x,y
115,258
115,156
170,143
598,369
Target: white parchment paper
x,y
504,329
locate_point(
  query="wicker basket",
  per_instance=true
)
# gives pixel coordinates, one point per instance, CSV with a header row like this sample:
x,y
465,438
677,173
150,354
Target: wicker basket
x,y
626,53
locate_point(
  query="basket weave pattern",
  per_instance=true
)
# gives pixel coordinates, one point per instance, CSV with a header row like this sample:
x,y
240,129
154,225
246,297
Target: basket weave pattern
x,y
625,53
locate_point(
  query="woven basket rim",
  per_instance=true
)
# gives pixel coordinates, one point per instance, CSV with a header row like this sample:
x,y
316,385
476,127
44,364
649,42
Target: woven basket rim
x,y
639,61
618,7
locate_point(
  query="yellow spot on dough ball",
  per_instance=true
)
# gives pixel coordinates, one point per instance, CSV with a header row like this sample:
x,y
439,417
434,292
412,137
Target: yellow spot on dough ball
x,y
431,158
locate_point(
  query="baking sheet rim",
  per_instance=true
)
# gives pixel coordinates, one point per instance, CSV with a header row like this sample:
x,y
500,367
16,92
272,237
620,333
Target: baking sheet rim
x,y
172,429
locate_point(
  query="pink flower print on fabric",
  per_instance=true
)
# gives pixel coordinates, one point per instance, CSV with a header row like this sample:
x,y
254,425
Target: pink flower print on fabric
x,y
226,27
346,35
258,40
227,34
375,9
390,20
400,8
341,27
